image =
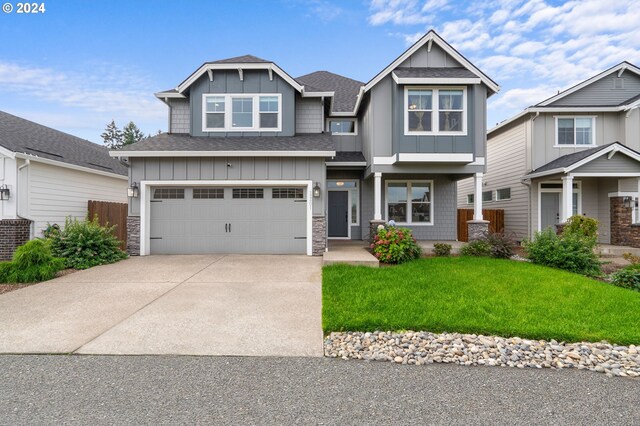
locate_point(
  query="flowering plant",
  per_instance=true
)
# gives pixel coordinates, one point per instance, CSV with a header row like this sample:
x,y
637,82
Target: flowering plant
x,y
395,245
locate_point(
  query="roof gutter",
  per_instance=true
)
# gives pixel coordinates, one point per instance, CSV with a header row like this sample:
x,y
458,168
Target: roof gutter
x,y
68,166
123,154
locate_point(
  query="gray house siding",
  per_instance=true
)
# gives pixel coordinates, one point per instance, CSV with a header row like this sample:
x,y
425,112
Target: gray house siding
x,y
602,93
309,115
435,58
242,168
180,116
619,163
254,81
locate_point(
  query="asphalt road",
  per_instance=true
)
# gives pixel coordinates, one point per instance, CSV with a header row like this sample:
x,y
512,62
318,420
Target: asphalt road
x,y
223,390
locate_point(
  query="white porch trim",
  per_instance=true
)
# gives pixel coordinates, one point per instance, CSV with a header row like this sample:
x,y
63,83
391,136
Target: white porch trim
x,y
477,196
377,196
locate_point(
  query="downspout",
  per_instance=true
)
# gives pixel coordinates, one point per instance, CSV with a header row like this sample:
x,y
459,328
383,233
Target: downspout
x,y
27,162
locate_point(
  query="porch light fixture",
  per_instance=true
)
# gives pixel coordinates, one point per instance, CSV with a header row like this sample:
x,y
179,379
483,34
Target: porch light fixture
x,y
627,202
340,183
133,191
316,190
4,193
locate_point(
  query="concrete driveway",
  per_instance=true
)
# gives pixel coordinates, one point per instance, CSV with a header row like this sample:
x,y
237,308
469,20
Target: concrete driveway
x,y
195,305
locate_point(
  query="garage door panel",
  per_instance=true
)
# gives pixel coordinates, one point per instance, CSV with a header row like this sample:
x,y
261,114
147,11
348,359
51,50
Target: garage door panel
x,y
258,225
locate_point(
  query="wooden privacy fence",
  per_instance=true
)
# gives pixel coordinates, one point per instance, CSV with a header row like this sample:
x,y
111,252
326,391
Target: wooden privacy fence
x,y
495,218
112,214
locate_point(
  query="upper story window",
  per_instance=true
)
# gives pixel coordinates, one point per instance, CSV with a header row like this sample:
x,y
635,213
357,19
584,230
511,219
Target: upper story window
x,y
241,112
575,131
342,127
435,111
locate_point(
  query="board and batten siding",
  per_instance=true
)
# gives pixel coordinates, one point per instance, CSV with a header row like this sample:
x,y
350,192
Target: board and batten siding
x,y
507,164
229,168
58,192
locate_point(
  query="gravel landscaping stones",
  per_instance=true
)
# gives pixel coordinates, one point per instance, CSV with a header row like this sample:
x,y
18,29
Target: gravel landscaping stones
x,y
419,348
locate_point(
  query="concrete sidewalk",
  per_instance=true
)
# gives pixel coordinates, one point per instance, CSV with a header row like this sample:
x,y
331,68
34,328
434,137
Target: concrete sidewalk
x,y
187,305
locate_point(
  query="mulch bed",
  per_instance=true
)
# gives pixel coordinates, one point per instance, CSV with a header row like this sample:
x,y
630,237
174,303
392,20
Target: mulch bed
x,y
6,288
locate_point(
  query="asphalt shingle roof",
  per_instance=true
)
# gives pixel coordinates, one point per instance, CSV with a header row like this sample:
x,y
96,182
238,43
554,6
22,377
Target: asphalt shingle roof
x,y
347,157
23,136
175,142
456,72
345,89
570,159
244,59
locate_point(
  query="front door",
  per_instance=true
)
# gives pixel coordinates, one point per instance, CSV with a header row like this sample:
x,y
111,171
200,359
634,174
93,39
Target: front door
x,y
338,214
549,209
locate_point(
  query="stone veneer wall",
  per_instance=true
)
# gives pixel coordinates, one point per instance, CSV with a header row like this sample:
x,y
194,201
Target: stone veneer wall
x,y
623,232
477,229
13,233
133,235
319,235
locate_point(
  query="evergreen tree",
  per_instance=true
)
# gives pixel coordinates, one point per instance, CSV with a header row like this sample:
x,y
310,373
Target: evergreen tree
x,y
112,136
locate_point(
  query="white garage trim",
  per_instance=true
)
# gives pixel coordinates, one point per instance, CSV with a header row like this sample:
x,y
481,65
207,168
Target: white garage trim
x,y
145,198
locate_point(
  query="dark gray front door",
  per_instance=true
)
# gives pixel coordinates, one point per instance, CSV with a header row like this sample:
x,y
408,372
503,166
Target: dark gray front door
x,y
549,209
338,213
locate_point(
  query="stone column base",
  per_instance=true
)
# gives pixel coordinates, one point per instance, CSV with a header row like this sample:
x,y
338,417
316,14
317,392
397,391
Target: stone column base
x,y
319,235
477,229
13,234
133,235
373,228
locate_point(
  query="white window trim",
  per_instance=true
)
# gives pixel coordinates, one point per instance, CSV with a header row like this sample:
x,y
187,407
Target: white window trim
x,y
503,199
435,109
350,192
574,145
577,190
355,126
228,112
492,197
472,201
409,184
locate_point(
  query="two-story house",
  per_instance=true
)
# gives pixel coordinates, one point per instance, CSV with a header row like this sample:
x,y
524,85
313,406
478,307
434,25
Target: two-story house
x,y
574,153
256,161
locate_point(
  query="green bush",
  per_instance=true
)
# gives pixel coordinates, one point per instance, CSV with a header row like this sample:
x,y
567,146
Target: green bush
x,y
581,227
32,262
442,249
569,252
395,245
501,245
628,277
84,244
480,247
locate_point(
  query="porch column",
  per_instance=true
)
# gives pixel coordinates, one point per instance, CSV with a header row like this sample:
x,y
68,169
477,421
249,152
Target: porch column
x,y
567,198
477,197
377,196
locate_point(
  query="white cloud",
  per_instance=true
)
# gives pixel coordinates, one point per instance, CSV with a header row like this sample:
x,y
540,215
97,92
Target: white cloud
x,y
403,12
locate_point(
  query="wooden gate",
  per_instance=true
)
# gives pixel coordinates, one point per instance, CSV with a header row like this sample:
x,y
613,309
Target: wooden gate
x,y
112,214
495,218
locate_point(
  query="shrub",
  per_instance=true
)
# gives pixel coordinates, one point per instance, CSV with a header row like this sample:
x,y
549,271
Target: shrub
x,y
631,258
480,247
442,249
395,245
628,277
569,252
32,262
581,227
84,244
501,245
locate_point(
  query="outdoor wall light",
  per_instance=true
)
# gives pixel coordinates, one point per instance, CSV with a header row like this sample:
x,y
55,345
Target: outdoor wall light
x,y
316,190
133,191
4,193
627,202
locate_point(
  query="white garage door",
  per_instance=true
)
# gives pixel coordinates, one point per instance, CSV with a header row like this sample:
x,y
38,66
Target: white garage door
x,y
228,220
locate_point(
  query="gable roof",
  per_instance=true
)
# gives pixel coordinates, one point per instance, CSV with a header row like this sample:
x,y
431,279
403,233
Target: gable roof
x,y
345,90
432,37
621,67
22,136
244,59
569,162
175,145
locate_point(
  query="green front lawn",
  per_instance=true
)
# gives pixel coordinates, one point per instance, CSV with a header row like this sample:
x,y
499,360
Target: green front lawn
x,y
481,296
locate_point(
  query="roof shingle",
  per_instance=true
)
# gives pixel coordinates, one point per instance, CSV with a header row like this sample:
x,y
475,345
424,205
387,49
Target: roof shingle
x,y
345,89
419,72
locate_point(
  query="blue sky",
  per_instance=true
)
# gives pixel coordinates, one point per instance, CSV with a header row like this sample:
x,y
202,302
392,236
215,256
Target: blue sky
x,y
83,63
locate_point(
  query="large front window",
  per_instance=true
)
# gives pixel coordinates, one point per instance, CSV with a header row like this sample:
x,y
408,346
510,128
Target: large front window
x,y
242,112
433,111
410,202
575,131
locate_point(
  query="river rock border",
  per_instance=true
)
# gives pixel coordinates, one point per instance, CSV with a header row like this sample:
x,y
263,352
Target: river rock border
x,y
419,348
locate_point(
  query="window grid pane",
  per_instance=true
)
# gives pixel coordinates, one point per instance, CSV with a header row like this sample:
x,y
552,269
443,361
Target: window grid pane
x,y
243,193
415,210
419,110
242,112
208,193
168,193
287,193
565,131
268,120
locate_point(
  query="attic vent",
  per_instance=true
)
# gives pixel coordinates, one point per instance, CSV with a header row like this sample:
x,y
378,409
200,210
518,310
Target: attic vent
x,y
43,152
618,83
99,165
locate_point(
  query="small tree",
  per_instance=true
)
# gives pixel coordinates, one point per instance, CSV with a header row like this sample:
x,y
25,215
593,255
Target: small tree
x,y
112,136
131,134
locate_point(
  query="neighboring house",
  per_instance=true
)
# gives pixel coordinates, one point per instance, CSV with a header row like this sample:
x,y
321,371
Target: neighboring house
x,y
49,176
256,161
574,153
